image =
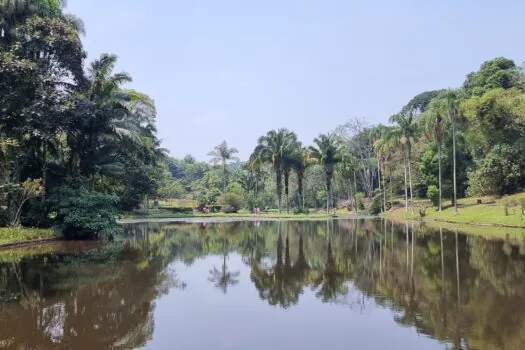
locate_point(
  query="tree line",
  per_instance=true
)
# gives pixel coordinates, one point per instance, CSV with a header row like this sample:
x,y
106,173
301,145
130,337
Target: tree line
x,y
76,146
442,145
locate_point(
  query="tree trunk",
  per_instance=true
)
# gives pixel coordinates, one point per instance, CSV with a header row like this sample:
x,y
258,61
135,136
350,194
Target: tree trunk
x,y
223,176
355,194
328,192
286,192
391,192
406,183
379,178
384,187
351,194
454,167
410,180
300,190
279,185
440,178
44,172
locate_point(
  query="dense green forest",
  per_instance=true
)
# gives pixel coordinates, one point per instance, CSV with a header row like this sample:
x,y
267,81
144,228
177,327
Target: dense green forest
x,y
77,147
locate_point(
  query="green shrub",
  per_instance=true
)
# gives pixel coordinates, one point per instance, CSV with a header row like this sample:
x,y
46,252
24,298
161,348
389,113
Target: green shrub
x,y
298,211
321,196
377,203
253,201
209,196
83,214
360,204
433,195
500,172
232,202
228,209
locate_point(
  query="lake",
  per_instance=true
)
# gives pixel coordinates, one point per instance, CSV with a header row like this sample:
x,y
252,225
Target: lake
x,y
338,284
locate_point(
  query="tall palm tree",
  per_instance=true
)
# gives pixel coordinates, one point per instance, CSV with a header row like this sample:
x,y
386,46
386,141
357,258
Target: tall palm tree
x,y
452,111
326,153
406,122
100,110
301,160
222,154
287,169
273,148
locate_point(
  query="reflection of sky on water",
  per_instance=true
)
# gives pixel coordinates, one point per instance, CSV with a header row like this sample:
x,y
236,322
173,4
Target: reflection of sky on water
x,y
200,317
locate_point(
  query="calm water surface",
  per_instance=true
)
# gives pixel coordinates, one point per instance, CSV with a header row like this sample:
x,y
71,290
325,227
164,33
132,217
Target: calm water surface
x,y
271,285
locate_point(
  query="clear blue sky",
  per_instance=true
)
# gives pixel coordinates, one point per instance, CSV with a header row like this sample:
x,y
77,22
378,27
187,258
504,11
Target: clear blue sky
x,y
234,69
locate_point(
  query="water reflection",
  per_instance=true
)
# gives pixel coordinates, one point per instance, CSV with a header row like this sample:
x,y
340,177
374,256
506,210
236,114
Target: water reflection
x,y
463,292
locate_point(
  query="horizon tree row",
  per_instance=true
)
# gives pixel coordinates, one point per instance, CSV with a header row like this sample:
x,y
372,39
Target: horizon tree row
x,y
443,144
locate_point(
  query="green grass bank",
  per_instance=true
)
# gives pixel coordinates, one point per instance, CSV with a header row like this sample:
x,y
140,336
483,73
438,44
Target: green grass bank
x,y
11,235
505,211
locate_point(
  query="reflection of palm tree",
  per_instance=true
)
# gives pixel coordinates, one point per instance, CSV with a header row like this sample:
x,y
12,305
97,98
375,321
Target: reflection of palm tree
x,y
458,305
301,265
252,247
443,301
331,280
277,285
223,278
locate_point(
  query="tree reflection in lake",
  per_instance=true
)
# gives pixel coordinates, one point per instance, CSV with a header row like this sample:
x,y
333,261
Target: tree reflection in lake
x,y
464,291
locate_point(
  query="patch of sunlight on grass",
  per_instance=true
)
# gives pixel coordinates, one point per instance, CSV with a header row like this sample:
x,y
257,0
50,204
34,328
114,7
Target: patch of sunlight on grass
x,y
21,234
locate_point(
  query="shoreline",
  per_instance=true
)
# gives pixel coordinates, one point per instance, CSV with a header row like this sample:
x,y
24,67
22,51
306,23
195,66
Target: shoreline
x,y
28,242
464,226
240,218
448,221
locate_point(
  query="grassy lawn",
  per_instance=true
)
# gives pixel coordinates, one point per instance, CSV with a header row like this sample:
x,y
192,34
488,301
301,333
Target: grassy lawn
x,y
489,212
20,234
485,231
176,203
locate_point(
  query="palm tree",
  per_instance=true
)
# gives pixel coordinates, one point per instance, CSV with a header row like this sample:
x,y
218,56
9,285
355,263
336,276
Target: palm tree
x,y
221,154
451,105
326,153
301,160
101,109
407,124
273,148
287,169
